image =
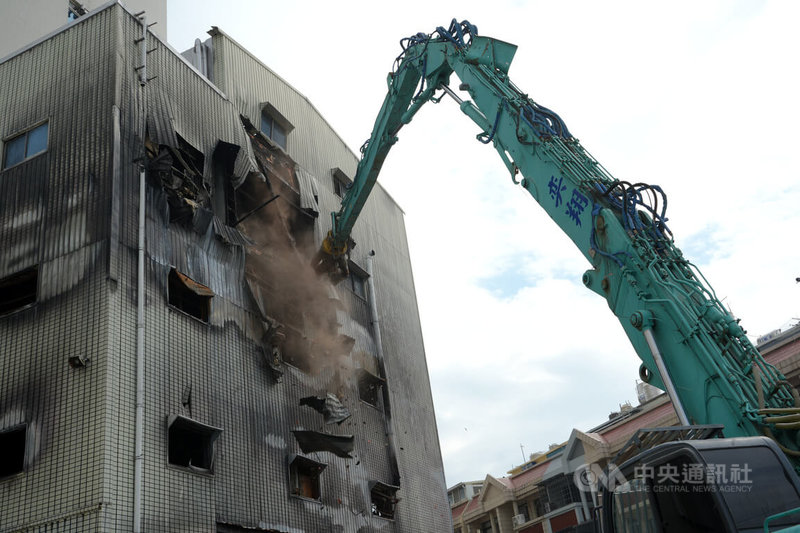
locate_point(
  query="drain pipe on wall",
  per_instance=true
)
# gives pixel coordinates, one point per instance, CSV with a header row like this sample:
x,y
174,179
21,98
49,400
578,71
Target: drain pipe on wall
x,y
376,330
138,465
139,429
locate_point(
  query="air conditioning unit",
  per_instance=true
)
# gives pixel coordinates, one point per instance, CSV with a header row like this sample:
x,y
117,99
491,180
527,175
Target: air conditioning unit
x,y
518,519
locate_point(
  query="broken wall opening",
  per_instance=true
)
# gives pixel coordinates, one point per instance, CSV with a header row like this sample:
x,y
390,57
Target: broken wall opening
x,y
179,171
369,387
19,290
189,296
383,499
280,264
12,450
191,443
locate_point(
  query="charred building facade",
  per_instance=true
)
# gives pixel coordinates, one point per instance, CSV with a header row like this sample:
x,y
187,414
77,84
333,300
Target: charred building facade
x,y
169,359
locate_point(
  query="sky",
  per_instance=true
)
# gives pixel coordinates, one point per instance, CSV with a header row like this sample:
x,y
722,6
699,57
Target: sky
x,y
697,97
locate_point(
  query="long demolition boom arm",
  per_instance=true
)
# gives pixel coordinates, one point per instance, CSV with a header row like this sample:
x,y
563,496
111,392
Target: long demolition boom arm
x,y
688,343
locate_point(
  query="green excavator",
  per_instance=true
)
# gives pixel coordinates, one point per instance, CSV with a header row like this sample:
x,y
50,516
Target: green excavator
x,y
689,344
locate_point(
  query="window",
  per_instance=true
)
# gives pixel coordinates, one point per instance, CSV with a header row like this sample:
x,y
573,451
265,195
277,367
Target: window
x,y
340,182
12,450
383,498
191,444
486,527
523,510
357,280
18,291
369,387
274,126
189,296
358,284
304,474
561,491
25,145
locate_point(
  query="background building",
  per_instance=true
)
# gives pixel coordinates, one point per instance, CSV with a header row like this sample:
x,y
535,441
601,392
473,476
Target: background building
x,y
262,396
542,496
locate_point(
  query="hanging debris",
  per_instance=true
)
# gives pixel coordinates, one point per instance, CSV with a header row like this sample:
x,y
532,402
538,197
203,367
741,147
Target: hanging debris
x,y
329,406
316,441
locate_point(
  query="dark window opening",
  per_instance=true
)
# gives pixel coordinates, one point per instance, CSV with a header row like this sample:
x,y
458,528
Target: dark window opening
x,y
384,499
369,387
223,200
12,450
304,477
189,296
561,491
340,182
191,444
486,527
540,507
25,145
180,173
523,511
457,495
274,126
358,283
18,290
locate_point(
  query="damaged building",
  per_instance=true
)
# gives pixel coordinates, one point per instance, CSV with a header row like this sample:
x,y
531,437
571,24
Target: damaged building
x,y
169,359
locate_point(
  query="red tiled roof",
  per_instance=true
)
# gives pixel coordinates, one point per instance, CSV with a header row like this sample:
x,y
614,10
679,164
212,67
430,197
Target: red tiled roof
x,y
473,504
506,482
648,419
459,510
529,476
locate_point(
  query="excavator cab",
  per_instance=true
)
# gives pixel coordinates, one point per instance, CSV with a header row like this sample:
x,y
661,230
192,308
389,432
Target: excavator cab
x,y
704,486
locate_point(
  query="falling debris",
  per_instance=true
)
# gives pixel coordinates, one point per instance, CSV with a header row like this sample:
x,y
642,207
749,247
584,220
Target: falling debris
x,y
316,441
330,407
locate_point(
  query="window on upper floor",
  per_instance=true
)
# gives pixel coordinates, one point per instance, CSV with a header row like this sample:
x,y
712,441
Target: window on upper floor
x,y
304,477
523,510
191,443
25,145
12,450
357,281
340,182
383,499
275,126
369,387
189,296
458,494
19,290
